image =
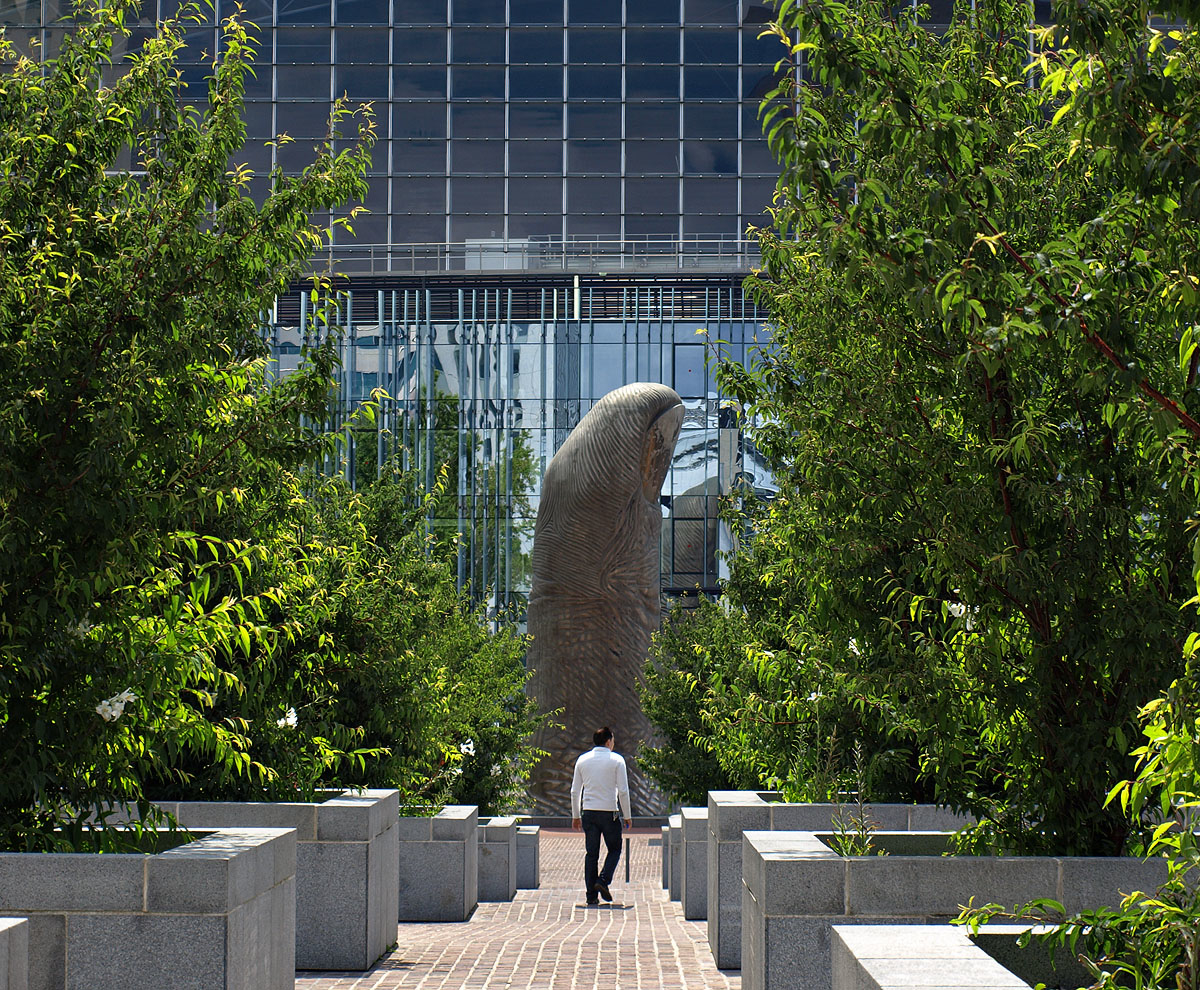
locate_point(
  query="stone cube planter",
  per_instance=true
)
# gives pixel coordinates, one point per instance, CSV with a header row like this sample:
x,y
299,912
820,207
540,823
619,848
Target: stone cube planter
x,y
675,838
666,857
346,869
219,913
873,957
439,865
497,858
529,868
14,954
796,888
693,863
730,813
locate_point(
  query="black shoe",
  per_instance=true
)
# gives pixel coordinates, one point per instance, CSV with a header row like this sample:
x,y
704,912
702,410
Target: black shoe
x,y
593,903
602,887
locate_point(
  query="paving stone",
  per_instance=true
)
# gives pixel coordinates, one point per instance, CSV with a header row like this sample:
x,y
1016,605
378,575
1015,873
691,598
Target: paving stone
x,y
547,939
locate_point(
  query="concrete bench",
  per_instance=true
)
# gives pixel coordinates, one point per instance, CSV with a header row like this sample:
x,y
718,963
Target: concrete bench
x,y
797,888
216,912
730,813
347,851
439,864
497,858
666,857
529,869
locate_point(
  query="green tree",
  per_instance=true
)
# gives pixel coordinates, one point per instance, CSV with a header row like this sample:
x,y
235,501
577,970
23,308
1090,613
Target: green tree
x,y
135,412
981,425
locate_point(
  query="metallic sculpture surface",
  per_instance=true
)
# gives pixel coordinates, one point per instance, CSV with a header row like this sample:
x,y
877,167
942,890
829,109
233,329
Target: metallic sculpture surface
x,y
595,597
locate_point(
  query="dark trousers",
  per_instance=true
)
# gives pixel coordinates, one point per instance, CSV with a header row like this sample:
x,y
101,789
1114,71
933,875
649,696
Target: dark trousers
x,y
595,825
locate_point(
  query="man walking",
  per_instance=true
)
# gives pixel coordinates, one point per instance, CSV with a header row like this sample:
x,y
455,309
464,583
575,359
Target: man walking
x,y
599,800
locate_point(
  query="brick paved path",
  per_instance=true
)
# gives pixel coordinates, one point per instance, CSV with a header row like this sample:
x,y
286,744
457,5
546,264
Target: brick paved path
x,y
547,940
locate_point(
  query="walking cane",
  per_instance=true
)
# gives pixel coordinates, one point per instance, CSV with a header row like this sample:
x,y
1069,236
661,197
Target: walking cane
x,y
627,859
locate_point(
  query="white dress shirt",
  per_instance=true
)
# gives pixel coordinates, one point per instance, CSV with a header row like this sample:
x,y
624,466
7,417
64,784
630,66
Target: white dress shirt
x,y
601,781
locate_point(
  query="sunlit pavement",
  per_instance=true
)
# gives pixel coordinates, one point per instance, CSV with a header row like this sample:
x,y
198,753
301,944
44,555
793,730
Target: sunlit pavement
x,y
547,939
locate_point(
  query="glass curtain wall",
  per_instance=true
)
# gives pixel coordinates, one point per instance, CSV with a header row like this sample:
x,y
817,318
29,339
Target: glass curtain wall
x,y
485,382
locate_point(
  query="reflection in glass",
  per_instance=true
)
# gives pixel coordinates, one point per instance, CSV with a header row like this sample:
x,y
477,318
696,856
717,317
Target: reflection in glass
x,y
651,157
537,12
539,46
596,45
710,157
480,155
593,195
651,82
710,83
535,120
535,82
477,119
362,45
531,195
477,45
420,45
593,82
473,82
649,45
418,81
594,120
534,156
302,44
593,156
478,11
709,47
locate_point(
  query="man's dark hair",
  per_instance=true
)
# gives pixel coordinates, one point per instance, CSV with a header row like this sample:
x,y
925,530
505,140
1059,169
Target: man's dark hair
x,y
601,735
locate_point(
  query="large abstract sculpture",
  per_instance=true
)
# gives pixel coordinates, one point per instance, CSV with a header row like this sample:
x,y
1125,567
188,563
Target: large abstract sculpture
x,y
595,597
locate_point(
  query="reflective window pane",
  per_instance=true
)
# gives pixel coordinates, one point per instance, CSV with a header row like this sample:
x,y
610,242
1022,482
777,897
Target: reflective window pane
x,y
588,195
707,47
710,83
596,12
710,157
757,159
306,119
258,119
710,196
651,157
649,82
653,12
362,45
302,12
302,45
534,225
534,82
477,119
477,156
418,229
362,82
651,120
535,195
361,11
651,195
596,45
534,156
593,156
419,11
602,226
650,45
535,120
470,195
419,120
420,82
478,11
652,226
537,12
420,45
419,156
710,120
478,45
710,11
475,82
303,81
538,46
472,226
593,82
594,120
426,194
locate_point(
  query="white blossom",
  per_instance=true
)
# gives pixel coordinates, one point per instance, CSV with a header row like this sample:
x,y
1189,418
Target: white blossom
x,y
814,696
852,646
289,720
956,609
82,628
497,769
111,709
468,748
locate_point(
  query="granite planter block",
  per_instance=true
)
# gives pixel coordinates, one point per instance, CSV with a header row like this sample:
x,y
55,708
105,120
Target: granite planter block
x,y
666,857
439,864
874,957
796,888
693,863
675,840
730,813
347,858
529,869
497,859
14,954
219,912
